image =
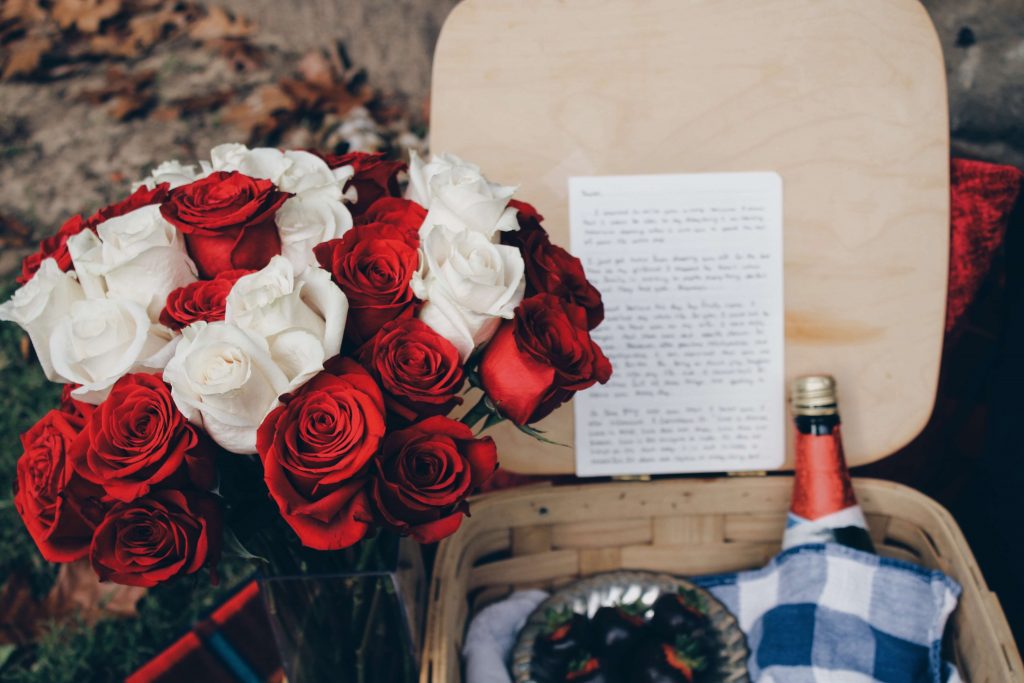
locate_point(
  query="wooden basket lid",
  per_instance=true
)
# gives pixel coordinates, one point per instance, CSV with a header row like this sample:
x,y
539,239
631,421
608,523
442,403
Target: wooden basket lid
x,y
846,100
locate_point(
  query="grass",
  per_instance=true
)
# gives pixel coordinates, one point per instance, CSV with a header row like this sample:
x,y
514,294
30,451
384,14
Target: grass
x,y
71,651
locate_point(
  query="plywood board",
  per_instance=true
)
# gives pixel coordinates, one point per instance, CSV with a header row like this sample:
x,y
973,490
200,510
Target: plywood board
x,y
846,100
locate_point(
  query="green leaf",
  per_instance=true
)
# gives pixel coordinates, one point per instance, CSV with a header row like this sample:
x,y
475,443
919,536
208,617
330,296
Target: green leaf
x,y
539,435
233,546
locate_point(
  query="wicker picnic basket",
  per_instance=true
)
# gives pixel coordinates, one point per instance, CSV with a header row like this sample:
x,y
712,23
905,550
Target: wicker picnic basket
x,y
847,102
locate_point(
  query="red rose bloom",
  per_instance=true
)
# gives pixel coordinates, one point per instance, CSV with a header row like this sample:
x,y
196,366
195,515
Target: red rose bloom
x,y
152,539
201,300
72,406
550,269
374,177
535,362
59,509
426,472
401,213
315,448
228,221
373,265
419,370
55,247
136,440
143,196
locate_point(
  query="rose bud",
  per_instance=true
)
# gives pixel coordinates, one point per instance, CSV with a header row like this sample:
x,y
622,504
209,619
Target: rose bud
x,y
426,472
551,269
373,264
165,534
59,509
227,220
374,177
419,370
538,360
202,300
401,213
315,448
136,440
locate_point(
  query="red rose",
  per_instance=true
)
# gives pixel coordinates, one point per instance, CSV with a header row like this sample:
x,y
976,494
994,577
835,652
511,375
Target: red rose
x,y
373,265
71,405
136,440
315,448
535,362
551,269
374,176
228,221
143,196
56,246
59,509
426,472
152,539
401,213
419,370
201,300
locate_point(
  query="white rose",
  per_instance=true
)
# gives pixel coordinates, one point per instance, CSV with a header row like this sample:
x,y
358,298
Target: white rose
x,y
223,379
174,173
39,305
308,219
292,171
98,341
138,256
469,284
458,196
302,319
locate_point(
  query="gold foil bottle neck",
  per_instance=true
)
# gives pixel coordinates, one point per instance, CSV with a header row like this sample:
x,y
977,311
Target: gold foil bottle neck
x,y
814,395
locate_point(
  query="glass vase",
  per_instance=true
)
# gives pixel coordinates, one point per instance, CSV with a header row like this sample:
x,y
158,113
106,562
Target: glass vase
x,y
352,616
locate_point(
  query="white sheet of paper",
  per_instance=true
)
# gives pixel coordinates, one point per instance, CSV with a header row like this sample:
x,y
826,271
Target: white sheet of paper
x,y
690,269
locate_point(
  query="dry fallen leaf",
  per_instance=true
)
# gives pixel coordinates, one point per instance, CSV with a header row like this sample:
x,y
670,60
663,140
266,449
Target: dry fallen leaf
x,y
315,68
128,93
27,11
78,590
257,114
25,55
14,233
219,24
84,15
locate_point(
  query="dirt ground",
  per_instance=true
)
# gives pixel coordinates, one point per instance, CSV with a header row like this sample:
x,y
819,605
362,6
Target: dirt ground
x,y
62,152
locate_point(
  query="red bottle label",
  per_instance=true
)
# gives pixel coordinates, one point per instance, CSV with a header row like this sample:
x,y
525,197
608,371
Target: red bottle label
x,y
822,483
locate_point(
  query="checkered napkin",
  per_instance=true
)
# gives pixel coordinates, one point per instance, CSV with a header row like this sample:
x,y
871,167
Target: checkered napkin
x,y
825,612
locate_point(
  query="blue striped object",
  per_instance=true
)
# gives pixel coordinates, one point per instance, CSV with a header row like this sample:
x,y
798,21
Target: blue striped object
x,y
827,613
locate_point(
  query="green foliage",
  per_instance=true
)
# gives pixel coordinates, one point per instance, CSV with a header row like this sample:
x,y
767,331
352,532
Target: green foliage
x,y
71,651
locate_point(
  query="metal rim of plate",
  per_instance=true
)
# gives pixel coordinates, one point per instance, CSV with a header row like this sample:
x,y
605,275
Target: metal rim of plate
x,y
626,587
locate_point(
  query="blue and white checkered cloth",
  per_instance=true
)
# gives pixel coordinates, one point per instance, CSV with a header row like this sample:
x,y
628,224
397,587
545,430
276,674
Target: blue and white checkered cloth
x,y
826,613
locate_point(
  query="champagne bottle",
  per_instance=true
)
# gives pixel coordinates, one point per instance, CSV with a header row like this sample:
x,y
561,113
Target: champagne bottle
x,y
824,508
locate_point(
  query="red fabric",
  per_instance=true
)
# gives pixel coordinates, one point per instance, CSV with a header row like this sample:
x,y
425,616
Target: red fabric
x,y
982,197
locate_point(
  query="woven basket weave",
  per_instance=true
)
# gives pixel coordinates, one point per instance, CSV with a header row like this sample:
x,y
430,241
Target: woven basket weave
x,y
548,536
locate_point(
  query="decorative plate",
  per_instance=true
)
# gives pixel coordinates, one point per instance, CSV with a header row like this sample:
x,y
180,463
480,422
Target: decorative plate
x,y
729,656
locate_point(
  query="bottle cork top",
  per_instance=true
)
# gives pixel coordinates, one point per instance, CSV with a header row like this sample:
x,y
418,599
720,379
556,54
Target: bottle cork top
x,y
814,395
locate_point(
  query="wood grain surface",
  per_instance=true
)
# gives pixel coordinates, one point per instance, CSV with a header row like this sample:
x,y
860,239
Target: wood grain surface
x,y
846,100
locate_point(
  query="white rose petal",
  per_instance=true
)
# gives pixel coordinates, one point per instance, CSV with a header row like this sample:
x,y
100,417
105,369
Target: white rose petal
x,y
459,197
174,173
138,256
224,379
226,157
302,319
98,341
469,284
308,219
39,305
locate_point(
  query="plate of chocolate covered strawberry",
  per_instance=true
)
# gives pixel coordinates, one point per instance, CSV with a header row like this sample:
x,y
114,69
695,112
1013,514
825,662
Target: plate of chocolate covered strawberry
x,y
631,627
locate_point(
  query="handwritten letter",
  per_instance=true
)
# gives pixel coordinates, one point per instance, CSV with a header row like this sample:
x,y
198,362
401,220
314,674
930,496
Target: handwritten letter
x,y
690,268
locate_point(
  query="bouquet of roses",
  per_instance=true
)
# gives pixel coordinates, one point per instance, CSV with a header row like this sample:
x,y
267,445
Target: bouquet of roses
x,y
302,309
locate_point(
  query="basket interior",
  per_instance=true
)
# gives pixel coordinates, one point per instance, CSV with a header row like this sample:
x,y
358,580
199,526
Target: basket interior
x,y
546,537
